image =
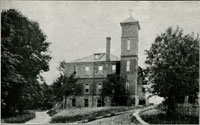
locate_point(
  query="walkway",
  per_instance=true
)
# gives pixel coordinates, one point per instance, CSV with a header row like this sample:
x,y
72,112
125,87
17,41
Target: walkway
x,y
40,118
137,116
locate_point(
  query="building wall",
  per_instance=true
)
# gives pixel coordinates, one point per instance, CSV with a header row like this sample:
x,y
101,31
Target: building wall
x,y
93,69
92,78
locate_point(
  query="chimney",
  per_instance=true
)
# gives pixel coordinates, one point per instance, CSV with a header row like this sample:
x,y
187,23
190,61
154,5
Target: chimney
x,y
108,48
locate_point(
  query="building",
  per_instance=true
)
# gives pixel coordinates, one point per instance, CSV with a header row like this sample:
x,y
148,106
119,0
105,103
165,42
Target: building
x,y
92,70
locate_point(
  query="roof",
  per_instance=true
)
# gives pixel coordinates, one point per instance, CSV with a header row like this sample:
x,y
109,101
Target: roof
x,y
129,20
93,58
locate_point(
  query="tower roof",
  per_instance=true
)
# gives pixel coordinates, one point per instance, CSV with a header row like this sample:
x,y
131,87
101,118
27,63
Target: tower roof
x,y
130,20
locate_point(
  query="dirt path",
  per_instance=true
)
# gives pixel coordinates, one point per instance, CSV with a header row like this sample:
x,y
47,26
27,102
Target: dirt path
x,y
40,118
124,118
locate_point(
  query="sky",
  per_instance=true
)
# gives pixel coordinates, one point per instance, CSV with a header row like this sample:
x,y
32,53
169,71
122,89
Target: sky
x,y
79,29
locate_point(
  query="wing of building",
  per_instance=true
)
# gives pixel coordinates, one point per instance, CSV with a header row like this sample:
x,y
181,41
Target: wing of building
x,y
93,69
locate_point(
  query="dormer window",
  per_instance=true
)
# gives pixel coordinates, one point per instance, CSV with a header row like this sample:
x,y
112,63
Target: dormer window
x,y
96,56
128,44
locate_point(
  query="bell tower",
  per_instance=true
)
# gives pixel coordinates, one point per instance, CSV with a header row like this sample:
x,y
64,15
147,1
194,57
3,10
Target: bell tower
x,y
129,55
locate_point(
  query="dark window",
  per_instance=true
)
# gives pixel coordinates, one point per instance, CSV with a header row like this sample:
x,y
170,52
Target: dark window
x,y
73,102
86,103
86,88
191,99
99,103
112,102
180,99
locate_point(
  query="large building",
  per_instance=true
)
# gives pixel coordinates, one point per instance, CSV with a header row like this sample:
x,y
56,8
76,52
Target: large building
x,y
93,69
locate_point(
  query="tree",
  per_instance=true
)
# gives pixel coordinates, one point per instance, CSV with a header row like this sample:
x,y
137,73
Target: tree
x,y
65,86
173,62
24,57
114,87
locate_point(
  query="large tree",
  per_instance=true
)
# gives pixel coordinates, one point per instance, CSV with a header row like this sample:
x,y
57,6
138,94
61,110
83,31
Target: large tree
x,y
173,63
115,87
65,85
24,57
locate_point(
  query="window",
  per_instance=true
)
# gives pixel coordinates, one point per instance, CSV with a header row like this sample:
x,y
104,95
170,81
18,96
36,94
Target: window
x,y
128,44
86,102
73,102
87,69
99,102
100,69
128,66
127,85
113,68
99,87
86,88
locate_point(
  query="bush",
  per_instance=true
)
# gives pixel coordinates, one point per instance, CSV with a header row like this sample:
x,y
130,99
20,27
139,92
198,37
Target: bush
x,y
52,112
26,116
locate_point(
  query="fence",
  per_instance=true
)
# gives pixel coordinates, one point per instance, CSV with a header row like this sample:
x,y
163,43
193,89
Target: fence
x,y
188,109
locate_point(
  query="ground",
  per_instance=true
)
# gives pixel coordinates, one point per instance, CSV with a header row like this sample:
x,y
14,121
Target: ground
x,y
41,118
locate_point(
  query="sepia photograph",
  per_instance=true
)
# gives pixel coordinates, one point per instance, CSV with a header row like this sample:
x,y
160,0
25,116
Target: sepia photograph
x,y
100,62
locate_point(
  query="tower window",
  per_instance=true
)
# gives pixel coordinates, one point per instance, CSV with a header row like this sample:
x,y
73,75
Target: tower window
x,y
113,68
128,44
86,102
128,66
127,85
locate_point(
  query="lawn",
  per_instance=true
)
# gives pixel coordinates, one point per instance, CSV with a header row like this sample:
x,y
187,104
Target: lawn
x,y
26,116
155,116
77,114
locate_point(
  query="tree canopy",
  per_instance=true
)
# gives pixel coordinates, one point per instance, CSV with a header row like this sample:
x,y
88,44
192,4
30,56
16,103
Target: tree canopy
x,y
114,86
25,55
173,63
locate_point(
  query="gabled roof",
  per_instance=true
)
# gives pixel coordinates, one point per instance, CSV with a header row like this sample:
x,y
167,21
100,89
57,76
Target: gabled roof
x,y
91,58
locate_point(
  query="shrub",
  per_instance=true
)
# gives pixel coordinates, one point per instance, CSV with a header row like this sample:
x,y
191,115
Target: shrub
x,y
52,112
26,116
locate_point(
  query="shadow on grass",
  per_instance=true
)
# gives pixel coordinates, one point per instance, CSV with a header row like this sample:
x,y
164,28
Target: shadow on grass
x,y
164,119
26,116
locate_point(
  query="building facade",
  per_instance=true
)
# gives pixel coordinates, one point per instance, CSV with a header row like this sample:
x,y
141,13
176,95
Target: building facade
x,y
92,70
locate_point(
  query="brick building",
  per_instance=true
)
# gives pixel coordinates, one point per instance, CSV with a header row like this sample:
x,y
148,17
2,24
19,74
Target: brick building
x,y
92,70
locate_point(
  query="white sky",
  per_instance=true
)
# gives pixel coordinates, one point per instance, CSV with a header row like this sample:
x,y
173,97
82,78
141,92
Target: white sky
x,y
79,29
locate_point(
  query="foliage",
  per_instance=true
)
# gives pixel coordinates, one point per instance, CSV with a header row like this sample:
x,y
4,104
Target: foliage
x,y
64,85
26,116
173,63
142,75
24,57
114,86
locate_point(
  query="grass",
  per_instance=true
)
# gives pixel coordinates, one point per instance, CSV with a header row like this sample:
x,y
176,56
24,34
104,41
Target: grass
x,y
26,116
164,119
90,114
